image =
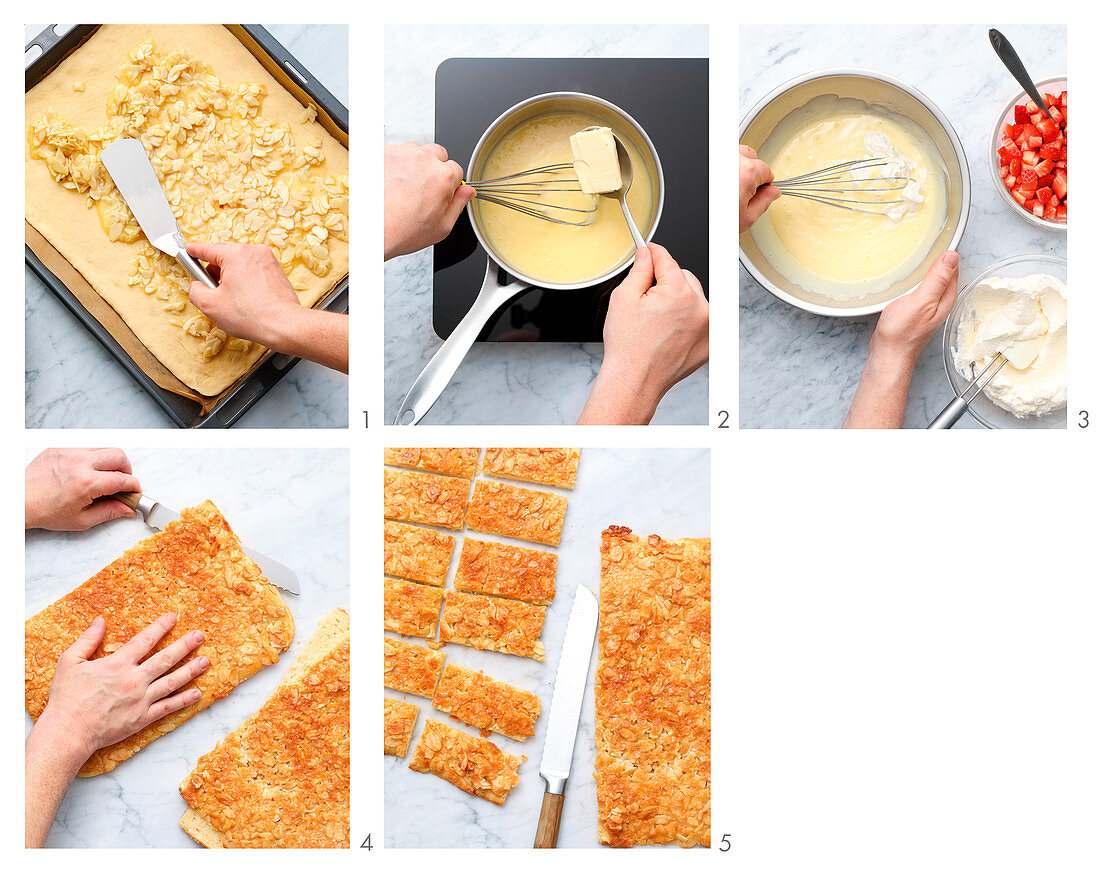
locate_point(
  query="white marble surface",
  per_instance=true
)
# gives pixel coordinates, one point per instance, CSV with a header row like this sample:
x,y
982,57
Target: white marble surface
x,y
511,383
71,380
800,370
291,504
652,491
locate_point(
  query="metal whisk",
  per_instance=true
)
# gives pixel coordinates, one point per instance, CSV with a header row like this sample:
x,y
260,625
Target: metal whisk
x,y
837,187
524,192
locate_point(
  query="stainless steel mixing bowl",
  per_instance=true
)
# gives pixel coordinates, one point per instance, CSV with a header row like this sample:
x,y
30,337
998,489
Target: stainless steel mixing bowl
x,y
897,97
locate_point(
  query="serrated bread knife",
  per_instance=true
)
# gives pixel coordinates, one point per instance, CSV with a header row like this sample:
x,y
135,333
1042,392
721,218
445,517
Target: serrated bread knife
x,y
134,176
565,712
157,516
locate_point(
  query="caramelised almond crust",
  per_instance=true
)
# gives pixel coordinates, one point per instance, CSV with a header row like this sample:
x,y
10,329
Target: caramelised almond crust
x,y
499,625
411,608
417,553
505,571
399,718
425,498
473,765
653,691
283,778
544,466
490,705
409,667
194,568
448,461
517,512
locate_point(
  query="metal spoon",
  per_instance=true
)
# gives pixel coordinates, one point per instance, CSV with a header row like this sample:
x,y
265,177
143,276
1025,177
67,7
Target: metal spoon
x,y
626,169
1015,66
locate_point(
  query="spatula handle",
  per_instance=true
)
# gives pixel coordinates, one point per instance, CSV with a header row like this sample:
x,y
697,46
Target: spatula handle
x,y
546,836
193,268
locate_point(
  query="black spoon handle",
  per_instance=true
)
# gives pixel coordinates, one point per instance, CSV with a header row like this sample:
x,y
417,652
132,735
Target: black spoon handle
x,y
1015,66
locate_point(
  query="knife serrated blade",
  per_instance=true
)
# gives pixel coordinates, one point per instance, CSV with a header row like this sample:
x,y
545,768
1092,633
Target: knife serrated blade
x,y
157,516
135,178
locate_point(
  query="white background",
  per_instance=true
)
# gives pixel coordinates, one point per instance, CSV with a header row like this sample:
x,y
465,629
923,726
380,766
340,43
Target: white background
x,y
905,625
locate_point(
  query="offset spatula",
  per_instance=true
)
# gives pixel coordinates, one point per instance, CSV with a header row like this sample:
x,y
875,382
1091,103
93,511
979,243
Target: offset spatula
x,y
565,712
129,166
157,516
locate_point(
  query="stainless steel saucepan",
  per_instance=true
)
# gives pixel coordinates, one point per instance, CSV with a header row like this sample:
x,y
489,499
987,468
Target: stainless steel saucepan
x,y
502,281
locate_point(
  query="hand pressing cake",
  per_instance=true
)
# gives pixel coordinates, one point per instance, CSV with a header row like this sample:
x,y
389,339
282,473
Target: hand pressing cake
x,y
283,779
194,568
240,159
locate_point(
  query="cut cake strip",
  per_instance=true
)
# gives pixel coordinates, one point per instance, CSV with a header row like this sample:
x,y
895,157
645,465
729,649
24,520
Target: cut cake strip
x,y
425,498
544,466
411,608
487,704
511,511
505,571
417,553
653,700
282,779
474,765
446,461
495,624
399,718
409,667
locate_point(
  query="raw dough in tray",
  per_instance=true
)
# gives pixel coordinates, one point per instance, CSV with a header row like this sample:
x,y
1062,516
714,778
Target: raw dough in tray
x,y
215,200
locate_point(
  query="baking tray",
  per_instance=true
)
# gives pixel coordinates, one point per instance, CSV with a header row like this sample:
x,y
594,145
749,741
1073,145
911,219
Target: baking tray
x,y
272,367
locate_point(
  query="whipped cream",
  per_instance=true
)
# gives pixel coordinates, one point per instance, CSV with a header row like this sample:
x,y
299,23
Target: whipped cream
x,y
1002,311
878,146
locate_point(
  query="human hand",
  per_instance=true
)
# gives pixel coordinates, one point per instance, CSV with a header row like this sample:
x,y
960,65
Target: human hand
x,y
655,334
69,488
755,192
907,324
254,299
423,197
98,702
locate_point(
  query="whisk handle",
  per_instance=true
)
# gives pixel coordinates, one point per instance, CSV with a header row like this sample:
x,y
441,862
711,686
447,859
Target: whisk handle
x,y
435,377
947,419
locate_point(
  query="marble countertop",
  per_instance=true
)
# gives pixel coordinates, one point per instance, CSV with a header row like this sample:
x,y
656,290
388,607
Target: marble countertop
x,y
274,500
800,370
71,380
652,491
503,383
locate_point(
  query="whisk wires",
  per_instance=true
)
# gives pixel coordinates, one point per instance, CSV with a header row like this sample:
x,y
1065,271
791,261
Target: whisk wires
x,y
531,192
843,185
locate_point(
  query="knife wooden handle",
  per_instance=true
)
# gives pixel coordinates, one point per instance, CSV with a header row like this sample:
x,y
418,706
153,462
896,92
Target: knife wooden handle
x,y
546,836
130,498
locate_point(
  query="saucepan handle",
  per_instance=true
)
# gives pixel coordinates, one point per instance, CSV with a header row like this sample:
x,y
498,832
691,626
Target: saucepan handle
x,y
441,368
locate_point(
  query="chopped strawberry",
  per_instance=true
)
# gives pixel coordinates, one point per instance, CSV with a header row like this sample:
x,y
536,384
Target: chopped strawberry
x,y
1046,166
1043,194
1022,114
1050,213
1061,184
1033,159
1050,151
1060,213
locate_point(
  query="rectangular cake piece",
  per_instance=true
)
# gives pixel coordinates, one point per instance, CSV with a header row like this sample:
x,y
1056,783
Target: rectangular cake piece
x,y
283,778
653,691
417,553
510,511
194,568
505,571
545,466
446,461
499,625
474,765
487,704
411,608
399,720
425,498
409,667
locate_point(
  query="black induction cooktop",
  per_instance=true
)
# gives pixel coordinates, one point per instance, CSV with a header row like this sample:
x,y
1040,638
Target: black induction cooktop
x,y
668,97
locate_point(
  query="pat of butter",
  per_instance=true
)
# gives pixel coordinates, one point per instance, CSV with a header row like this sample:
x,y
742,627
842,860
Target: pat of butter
x,y
596,160
1021,354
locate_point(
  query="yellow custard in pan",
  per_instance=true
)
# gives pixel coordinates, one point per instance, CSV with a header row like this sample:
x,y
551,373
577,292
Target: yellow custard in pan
x,y
845,254
551,252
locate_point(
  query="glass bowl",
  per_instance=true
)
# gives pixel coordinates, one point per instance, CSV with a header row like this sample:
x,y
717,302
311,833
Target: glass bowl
x,y
1053,85
984,410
